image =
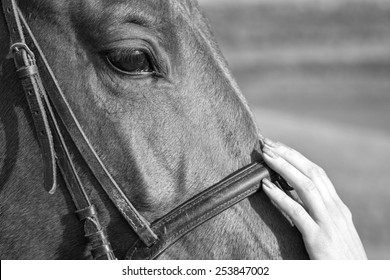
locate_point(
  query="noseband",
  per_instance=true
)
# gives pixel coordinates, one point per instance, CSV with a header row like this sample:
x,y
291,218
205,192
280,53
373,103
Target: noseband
x,y
58,130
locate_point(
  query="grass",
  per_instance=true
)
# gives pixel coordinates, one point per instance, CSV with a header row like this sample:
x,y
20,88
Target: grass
x,y
318,79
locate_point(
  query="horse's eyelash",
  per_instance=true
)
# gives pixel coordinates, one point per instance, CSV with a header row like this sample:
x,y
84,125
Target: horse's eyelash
x,y
123,53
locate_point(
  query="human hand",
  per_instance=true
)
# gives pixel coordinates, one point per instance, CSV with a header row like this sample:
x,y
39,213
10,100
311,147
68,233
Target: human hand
x,y
324,220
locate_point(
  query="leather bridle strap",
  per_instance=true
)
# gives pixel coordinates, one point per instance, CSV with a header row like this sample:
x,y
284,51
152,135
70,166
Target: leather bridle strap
x,y
100,247
16,21
28,74
205,206
36,94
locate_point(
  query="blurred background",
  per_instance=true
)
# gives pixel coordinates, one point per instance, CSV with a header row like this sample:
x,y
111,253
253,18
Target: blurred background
x,y
316,74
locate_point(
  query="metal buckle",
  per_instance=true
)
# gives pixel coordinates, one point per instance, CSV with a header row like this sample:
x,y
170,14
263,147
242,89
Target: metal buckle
x,y
18,46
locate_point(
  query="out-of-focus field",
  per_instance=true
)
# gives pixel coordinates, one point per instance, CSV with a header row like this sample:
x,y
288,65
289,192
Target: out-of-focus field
x,y
317,77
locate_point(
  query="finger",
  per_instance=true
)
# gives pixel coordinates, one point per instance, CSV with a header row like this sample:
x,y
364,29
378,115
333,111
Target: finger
x,y
304,165
304,187
301,219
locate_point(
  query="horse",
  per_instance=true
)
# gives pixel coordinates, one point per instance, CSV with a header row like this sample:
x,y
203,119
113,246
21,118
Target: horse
x,y
152,92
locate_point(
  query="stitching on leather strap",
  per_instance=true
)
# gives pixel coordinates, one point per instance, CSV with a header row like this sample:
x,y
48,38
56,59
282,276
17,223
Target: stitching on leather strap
x,y
198,200
203,217
159,248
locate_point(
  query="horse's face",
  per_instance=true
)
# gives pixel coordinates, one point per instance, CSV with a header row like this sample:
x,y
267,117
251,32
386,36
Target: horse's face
x,y
152,92
154,96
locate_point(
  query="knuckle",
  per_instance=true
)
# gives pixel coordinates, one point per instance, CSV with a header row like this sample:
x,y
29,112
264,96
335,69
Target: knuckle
x,y
346,212
341,212
315,171
288,152
298,211
322,171
309,186
285,166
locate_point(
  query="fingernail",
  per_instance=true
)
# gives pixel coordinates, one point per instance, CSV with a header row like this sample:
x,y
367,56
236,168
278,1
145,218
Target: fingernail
x,y
270,153
261,141
270,143
267,183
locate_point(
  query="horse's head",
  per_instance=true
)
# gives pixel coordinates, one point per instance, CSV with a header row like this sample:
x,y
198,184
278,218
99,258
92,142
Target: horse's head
x,y
154,96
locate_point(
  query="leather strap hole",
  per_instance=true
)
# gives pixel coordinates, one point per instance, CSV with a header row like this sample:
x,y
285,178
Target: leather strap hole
x,y
29,93
42,133
36,113
9,10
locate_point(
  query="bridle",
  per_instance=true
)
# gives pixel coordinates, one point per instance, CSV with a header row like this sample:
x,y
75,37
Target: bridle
x,y
58,130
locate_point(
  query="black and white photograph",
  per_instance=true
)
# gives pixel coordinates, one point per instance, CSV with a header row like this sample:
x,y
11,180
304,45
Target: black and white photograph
x,y
203,130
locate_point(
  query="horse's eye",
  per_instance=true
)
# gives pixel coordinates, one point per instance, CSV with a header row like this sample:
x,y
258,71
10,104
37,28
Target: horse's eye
x,y
132,62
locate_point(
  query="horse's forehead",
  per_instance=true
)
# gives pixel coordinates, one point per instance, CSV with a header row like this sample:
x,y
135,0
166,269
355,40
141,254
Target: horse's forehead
x,y
158,9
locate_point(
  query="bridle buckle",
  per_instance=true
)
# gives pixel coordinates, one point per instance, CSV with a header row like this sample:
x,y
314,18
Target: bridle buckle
x,y
17,47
